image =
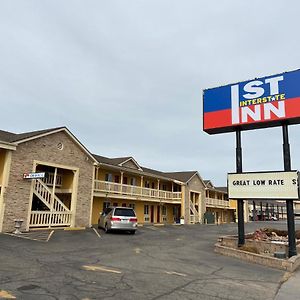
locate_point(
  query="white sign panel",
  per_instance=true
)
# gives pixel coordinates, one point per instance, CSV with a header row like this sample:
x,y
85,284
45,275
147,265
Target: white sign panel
x,y
264,185
34,175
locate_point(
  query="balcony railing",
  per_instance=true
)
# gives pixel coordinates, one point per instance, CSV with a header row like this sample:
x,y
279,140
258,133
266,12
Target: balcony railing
x,y
49,179
135,191
217,203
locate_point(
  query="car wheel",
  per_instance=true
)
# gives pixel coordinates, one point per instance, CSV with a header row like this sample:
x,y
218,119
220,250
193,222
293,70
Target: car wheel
x,y
106,228
132,231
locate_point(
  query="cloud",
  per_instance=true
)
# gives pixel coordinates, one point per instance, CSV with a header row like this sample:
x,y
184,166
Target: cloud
x,y
127,76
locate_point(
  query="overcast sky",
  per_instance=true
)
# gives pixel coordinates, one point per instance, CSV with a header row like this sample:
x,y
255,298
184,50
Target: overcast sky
x,y
126,77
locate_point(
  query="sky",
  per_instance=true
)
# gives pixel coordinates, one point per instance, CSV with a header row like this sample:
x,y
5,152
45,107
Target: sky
x,y
127,76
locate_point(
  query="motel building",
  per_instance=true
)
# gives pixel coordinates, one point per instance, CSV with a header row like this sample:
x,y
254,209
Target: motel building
x,y
77,185
218,208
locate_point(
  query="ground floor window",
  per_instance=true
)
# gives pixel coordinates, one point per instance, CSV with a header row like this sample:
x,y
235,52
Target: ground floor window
x,y
106,204
146,213
164,213
132,205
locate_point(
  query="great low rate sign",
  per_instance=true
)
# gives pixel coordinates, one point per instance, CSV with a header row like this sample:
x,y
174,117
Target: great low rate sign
x,y
263,185
258,103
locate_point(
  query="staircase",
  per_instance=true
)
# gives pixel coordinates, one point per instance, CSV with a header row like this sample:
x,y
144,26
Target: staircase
x,y
194,214
57,214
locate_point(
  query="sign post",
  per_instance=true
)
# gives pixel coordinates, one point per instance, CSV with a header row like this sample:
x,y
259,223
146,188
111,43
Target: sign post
x,y
240,202
289,202
259,103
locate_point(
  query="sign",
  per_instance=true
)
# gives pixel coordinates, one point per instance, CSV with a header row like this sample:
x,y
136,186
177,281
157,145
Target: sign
x,y
263,185
259,103
34,175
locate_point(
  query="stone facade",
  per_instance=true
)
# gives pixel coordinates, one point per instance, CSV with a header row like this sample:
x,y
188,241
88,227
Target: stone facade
x,y
17,197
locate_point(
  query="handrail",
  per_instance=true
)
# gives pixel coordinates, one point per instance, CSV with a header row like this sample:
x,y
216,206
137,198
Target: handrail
x,y
131,190
217,202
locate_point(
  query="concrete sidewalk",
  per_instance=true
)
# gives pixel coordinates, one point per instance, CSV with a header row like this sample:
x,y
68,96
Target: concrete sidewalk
x,y
290,290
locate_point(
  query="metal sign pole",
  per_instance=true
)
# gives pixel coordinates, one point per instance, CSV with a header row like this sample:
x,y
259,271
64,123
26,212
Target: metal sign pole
x,y
240,202
289,203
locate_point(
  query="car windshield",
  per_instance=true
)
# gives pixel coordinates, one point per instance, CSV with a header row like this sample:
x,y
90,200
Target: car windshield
x,y
124,212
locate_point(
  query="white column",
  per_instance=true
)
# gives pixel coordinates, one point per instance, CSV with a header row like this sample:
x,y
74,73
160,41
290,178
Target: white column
x,y
122,174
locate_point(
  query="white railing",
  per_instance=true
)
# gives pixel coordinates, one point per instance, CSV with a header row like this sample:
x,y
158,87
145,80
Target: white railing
x,y
194,214
130,190
49,179
217,202
49,218
46,196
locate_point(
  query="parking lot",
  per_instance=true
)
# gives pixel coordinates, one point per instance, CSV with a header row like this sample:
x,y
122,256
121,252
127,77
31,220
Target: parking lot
x,y
158,262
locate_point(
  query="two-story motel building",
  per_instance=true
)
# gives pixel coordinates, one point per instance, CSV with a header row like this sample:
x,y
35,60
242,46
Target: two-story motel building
x,y
78,185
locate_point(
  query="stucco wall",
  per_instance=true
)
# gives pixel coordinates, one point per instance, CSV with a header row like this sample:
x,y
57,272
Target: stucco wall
x,y
17,196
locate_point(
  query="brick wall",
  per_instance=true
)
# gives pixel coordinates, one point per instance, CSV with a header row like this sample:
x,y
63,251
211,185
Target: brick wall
x,y
17,195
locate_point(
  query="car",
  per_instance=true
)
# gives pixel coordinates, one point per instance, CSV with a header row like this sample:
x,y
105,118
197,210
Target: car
x,y
118,218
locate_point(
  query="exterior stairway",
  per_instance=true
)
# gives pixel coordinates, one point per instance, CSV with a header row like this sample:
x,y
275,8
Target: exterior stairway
x,y
57,214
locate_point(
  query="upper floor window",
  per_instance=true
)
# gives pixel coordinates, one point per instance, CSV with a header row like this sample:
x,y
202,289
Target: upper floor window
x,y
164,187
147,184
108,177
133,181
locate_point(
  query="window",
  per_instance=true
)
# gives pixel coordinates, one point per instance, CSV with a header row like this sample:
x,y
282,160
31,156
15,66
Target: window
x,y
132,205
133,181
146,213
108,177
106,204
164,210
124,212
164,187
115,204
164,213
123,204
147,184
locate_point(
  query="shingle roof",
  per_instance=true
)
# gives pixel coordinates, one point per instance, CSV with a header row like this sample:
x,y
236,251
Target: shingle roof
x,y
181,176
184,176
221,188
6,136
10,137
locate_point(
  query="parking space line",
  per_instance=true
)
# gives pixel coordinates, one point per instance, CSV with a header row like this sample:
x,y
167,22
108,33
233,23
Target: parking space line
x,y
50,235
6,295
103,269
137,250
175,273
97,233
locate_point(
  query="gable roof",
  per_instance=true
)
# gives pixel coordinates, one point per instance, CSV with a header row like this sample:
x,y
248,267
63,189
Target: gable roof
x,y
222,189
18,138
11,137
181,176
118,161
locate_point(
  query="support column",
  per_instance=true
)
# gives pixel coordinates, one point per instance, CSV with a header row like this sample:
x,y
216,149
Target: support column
x,y
240,202
254,211
122,175
289,203
53,196
142,182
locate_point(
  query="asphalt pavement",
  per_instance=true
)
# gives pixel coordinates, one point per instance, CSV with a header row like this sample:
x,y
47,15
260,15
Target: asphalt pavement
x,y
165,262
